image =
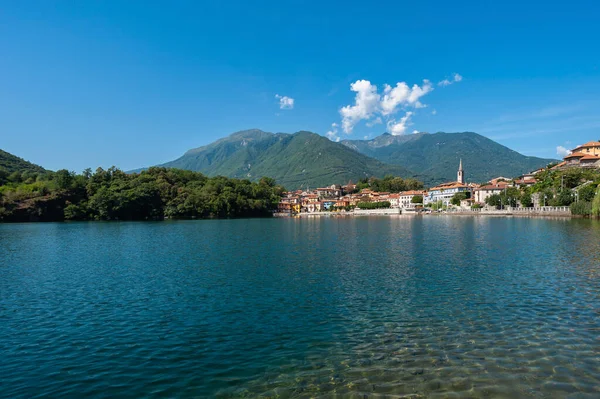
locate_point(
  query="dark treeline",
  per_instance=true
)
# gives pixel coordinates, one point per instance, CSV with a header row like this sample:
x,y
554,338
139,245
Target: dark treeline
x,y
114,195
374,205
390,184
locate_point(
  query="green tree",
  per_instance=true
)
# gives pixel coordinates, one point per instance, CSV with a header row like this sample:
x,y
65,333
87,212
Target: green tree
x,y
526,200
494,200
63,178
456,198
3,176
587,193
417,199
564,198
510,196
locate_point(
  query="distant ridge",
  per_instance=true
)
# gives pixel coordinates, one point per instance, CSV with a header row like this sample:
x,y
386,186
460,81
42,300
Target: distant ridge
x,y
302,159
438,154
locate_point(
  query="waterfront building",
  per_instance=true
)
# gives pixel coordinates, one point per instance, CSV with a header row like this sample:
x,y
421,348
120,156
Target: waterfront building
x,y
394,200
444,192
484,192
332,191
406,198
583,156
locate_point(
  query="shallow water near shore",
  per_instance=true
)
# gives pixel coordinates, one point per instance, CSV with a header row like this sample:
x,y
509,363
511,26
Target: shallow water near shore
x,y
473,307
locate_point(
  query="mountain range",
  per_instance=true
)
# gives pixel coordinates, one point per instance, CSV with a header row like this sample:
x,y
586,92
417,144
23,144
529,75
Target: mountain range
x,y
306,159
437,155
296,160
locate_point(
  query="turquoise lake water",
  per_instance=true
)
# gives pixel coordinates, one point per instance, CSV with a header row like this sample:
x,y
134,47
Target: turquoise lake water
x,y
365,307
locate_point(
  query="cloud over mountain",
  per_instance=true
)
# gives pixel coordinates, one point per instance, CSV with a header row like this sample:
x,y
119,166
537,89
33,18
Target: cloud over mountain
x,y
285,102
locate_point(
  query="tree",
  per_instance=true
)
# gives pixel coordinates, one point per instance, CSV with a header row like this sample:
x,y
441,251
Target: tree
x,y
587,193
456,198
564,198
494,200
526,200
3,176
15,177
63,179
510,196
417,199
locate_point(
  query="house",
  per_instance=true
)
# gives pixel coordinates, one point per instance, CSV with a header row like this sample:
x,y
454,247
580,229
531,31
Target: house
x,y
394,200
332,191
342,203
349,188
444,192
467,203
499,179
484,192
406,198
589,148
584,156
290,204
525,182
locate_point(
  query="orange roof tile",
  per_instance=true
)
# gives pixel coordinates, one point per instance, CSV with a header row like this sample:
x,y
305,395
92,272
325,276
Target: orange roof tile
x,y
590,156
412,192
444,186
575,155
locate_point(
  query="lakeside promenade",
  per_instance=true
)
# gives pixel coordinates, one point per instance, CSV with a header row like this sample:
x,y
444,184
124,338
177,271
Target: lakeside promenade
x,y
544,211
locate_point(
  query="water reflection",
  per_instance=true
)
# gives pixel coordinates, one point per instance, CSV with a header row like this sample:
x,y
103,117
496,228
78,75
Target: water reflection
x,y
323,307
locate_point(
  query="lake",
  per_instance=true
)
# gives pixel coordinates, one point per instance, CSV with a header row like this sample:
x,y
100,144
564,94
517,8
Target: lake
x,y
437,306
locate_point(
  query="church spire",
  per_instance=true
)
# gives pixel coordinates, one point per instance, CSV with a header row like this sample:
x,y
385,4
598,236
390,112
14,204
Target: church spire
x,y
460,176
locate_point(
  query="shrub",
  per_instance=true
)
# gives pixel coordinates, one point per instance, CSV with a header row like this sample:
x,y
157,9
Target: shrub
x,y
582,208
373,205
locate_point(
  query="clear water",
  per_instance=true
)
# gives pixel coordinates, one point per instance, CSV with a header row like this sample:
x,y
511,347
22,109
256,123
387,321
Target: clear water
x,y
476,307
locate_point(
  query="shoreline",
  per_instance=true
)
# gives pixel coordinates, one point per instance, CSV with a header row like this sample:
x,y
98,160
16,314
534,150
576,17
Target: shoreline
x,y
542,214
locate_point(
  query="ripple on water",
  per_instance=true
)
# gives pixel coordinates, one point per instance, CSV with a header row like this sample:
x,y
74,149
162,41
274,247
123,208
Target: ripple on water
x,y
364,307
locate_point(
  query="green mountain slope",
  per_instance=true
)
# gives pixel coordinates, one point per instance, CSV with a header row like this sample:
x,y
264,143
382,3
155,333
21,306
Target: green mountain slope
x,y
295,160
438,155
12,163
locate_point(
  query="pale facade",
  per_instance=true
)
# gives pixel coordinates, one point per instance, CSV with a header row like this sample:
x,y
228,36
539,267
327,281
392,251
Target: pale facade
x,y
484,192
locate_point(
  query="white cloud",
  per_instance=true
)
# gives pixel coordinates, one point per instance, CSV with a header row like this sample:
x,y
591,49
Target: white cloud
x,y
447,82
433,112
415,131
402,95
333,133
392,97
369,104
418,92
366,103
285,102
399,128
562,151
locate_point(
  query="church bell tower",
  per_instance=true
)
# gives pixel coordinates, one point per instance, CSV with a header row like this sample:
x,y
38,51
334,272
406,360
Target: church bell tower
x,y
460,176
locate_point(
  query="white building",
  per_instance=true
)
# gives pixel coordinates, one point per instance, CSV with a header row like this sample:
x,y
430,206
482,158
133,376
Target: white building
x,y
484,192
406,198
444,192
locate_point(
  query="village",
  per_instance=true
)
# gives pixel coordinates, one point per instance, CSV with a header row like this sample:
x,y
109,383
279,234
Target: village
x,y
451,196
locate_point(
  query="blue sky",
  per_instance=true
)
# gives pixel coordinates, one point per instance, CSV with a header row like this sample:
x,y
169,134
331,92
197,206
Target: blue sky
x,y
136,83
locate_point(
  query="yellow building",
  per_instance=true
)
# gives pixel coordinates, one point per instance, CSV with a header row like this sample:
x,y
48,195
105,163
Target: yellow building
x,y
590,148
